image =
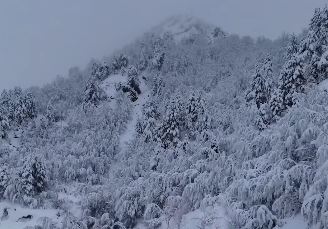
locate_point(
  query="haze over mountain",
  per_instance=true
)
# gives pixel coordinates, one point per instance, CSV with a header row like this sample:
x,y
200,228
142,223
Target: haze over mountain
x,y
42,39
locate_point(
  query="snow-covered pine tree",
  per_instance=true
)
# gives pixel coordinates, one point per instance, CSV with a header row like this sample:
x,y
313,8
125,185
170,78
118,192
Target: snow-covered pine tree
x,y
4,113
315,46
292,47
132,87
291,81
4,179
5,103
158,85
21,106
93,93
276,103
50,111
260,91
159,54
32,177
28,107
146,127
4,124
196,117
169,130
120,62
133,80
143,60
100,71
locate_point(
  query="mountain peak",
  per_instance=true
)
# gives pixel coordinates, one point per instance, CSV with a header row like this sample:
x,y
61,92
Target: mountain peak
x,y
184,26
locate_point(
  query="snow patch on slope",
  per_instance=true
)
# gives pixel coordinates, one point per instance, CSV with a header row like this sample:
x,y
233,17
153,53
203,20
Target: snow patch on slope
x,y
72,203
324,85
296,222
15,212
130,131
109,85
208,218
212,217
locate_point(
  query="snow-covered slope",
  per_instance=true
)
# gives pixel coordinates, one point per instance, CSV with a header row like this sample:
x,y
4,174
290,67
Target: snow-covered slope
x,y
324,85
130,131
19,217
211,217
296,222
208,218
109,85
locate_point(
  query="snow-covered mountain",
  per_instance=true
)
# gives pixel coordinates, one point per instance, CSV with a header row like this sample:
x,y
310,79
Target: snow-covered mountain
x,y
174,133
182,27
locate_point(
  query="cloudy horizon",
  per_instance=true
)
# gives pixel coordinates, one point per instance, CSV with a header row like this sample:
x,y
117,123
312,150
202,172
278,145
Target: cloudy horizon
x,y
43,39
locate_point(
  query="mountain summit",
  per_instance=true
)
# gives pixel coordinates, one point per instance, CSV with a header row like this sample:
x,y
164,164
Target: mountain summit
x,y
182,26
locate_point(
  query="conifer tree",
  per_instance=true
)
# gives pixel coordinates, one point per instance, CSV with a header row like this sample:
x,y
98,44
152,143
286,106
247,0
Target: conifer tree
x,y
33,177
120,62
50,112
314,49
260,92
147,126
261,86
4,179
100,71
291,81
133,80
93,93
4,126
196,118
159,54
168,132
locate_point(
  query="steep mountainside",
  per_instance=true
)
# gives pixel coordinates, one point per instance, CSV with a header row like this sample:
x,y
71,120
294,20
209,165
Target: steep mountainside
x,y
187,127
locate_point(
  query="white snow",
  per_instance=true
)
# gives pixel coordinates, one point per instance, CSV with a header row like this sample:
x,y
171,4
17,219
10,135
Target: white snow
x,y
208,218
296,222
72,202
16,212
212,217
324,85
109,84
14,137
130,131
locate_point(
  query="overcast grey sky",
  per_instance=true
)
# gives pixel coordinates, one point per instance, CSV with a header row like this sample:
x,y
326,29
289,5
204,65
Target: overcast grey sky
x,y
40,39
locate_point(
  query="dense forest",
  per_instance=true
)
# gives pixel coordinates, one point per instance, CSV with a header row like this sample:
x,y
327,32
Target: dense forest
x,y
187,125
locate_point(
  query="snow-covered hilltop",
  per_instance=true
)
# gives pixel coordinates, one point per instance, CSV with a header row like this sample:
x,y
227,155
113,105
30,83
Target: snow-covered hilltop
x,y
183,27
180,129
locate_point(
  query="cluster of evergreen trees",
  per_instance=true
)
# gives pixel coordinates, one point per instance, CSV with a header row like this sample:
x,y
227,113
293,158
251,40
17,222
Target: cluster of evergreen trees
x,y
16,107
306,63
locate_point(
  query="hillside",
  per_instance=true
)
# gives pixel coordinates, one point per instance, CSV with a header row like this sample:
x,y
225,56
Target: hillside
x,y
187,127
